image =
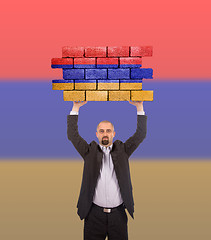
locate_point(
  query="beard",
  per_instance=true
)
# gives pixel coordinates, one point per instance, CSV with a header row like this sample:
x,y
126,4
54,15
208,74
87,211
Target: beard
x,y
105,141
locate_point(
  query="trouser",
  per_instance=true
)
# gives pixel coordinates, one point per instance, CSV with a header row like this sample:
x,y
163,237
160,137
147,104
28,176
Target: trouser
x,y
99,224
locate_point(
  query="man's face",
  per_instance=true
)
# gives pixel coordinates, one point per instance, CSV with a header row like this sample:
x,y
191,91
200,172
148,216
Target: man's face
x,y
105,134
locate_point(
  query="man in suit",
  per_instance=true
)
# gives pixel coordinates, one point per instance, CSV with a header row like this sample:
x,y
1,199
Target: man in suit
x,y
106,188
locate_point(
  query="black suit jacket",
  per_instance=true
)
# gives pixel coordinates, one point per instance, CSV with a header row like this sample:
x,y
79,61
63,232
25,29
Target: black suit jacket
x,y
92,155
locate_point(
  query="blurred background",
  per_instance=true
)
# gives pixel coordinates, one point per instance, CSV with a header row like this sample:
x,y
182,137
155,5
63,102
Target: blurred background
x,y
40,170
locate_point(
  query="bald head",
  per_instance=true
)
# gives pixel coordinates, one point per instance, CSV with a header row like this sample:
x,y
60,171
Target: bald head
x,y
105,121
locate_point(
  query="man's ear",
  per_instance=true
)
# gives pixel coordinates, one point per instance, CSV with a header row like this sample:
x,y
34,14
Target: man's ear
x,y
114,134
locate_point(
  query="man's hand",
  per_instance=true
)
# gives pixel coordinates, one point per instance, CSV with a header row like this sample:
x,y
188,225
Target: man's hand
x,y
138,104
77,105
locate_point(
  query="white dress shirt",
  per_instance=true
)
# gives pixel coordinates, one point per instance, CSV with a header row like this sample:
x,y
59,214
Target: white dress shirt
x,y
107,192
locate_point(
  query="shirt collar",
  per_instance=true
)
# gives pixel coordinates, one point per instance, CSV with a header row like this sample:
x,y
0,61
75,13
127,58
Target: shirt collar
x,y
110,147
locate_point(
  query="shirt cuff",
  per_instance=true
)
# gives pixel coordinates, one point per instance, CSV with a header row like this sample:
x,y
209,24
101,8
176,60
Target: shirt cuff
x,y
140,112
73,113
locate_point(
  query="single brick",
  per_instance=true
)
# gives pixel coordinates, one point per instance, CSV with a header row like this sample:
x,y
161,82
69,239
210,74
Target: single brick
x,y
118,73
95,73
95,51
73,73
84,63
62,62
63,86
118,51
85,85
141,73
130,62
72,51
130,85
107,62
108,85
96,95
141,51
74,95
119,95
142,95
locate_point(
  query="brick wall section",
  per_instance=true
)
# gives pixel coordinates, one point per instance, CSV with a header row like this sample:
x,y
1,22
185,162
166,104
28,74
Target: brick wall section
x,y
103,73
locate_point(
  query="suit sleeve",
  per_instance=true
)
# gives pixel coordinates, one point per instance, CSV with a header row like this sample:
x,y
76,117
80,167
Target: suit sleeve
x,y
133,142
73,135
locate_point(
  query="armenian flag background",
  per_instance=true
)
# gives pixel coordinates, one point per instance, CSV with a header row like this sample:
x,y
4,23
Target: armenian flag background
x,y
41,172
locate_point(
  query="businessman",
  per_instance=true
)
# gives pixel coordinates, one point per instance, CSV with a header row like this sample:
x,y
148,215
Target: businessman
x,y
106,189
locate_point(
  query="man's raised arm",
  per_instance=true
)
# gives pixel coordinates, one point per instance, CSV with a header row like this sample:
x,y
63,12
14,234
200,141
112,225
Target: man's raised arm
x,y
72,129
133,142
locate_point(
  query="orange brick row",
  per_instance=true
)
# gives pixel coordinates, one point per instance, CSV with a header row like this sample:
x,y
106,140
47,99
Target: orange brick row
x,y
119,95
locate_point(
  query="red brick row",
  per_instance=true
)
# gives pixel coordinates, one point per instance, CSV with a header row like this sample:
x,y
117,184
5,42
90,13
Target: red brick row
x,y
107,60
124,51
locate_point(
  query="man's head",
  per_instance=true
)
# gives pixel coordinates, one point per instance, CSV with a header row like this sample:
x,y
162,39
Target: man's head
x,y
105,133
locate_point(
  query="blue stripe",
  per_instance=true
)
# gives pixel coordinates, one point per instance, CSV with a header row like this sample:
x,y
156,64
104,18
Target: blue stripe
x,y
130,65
96,66
62,81
103,81
62,66
107,65
131,81
108,81
84,66
85,81
34,121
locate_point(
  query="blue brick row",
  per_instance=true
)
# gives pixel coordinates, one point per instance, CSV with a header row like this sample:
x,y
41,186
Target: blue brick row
x,y
139,73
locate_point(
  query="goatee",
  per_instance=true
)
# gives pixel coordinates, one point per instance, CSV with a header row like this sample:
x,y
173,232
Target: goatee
x,y
105,142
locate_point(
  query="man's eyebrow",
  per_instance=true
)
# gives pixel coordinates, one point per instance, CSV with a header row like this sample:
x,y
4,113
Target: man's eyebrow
x,y
104,128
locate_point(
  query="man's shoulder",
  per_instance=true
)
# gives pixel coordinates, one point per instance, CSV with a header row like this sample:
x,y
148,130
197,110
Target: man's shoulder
x,y
118,142
118,145
94,145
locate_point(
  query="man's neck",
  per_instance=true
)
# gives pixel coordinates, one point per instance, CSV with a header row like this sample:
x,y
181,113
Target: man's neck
x,y
105,145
